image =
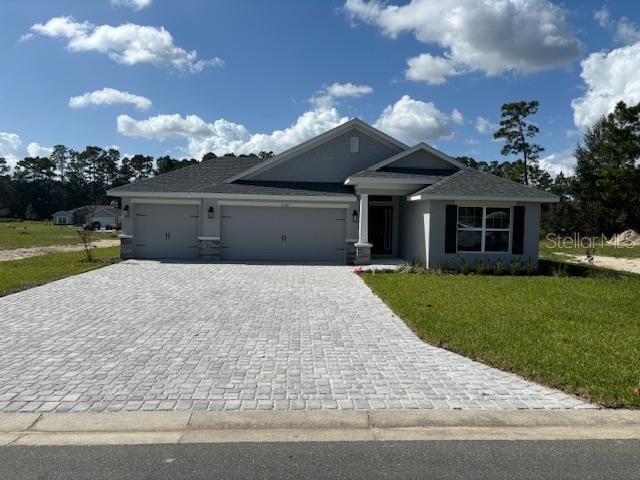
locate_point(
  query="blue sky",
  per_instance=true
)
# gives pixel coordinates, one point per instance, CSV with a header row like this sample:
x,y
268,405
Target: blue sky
x,y
224,75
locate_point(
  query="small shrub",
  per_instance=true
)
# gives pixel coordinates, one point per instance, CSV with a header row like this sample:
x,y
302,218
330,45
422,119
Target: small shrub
x,y
514,266
415,267
479,267
444,267
465,267
498,268
560,270
530,267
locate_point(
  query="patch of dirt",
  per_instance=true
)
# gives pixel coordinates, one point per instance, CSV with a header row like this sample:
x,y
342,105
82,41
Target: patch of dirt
x,y
626,238
20,253
624,264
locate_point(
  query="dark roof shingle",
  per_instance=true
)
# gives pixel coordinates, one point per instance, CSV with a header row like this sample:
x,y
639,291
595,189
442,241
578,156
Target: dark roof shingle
x,y
470,183
210,177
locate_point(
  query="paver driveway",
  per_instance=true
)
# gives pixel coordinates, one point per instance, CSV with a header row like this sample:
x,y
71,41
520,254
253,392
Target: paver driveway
x,y
144,335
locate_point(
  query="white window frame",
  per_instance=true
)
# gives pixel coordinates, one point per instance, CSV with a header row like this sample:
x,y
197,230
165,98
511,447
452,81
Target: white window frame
x,y
484,229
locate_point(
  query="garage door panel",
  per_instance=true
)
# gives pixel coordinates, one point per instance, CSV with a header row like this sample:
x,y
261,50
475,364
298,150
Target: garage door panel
x,y
166,231
283,234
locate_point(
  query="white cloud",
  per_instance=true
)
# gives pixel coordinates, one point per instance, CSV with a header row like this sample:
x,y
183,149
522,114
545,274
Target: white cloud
x,y
457,117
610,78
223,136
490,36
408,120
471,141
431,70
12,149
555,163
128,44
328,96
135,4
627,32
109,96
413,121
484,126
34,149
603,17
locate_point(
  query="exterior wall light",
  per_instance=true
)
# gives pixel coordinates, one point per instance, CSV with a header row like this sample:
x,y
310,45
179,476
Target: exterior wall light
x,y
211,213
125,210
356,216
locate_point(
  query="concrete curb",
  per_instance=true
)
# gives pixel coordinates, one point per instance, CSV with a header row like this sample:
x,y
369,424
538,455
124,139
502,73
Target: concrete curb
x,y
295,426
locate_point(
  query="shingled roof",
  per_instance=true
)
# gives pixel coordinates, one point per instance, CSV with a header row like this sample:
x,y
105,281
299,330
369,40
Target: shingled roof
x,y
209,177
472,184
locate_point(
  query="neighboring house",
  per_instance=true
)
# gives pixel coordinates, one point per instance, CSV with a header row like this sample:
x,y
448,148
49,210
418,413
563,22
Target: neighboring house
x,y
345,196
100,215
63,217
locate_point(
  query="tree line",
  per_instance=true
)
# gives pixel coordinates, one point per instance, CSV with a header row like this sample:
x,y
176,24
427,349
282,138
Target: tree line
x,y
67,178
602,196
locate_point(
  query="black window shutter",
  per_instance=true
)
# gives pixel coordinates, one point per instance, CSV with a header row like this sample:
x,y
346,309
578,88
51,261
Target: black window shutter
x,y
450,229
517,248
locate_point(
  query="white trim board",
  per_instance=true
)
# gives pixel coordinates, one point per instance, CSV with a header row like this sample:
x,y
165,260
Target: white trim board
x,y
281,204
164,201
416,198
233,196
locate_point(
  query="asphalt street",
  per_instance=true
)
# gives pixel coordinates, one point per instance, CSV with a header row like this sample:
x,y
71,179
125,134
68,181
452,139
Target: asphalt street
x,y
494,460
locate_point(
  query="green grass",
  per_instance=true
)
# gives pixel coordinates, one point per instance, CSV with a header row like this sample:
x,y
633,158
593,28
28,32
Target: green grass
x,y
40,234
17,275
549,250
581,335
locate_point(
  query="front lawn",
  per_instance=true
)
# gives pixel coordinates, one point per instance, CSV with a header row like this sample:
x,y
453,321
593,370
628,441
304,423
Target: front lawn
x,y
16,275
40,234
581,335
550,249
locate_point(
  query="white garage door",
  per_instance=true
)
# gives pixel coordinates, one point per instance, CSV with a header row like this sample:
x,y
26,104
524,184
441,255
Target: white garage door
x,y
283,234
165,231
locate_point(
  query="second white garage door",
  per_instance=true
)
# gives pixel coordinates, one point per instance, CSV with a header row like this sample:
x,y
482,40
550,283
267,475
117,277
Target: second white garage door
x,y
283,234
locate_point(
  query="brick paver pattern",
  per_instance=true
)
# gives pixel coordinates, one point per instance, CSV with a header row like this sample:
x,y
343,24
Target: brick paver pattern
x,y
145,335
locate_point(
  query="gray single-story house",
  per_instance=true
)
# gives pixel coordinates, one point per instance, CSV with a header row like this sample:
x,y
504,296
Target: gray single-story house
x,y
64,217
345,196
102,215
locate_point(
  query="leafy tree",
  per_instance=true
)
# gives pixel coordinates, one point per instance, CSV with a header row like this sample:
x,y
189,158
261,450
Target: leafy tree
x,y
4,166
607,184
141,166
61,156
209,156
264,154
516,130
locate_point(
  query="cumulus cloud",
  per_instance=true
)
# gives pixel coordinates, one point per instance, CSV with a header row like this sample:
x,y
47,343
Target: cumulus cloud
x,y
34,149
457,117
137,5
408,120
484,126
109,96
413,121
12,149
609,78
491,37
555,163
128,44
603,17
431,70
223,136
328,96
627,32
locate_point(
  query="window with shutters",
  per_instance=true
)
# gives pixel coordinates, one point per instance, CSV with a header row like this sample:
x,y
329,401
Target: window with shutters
x,y
484,229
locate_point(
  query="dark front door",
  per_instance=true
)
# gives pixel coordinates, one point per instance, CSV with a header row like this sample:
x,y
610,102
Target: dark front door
x,y
380,228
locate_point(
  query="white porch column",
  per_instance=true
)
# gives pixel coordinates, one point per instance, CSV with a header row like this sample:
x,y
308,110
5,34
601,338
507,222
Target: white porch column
x,y
363,225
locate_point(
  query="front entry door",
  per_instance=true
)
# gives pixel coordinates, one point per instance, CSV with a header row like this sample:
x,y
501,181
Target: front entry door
x,y
380,229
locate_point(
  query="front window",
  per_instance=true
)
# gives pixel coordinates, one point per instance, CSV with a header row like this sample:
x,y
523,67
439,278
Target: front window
x,y
484,229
